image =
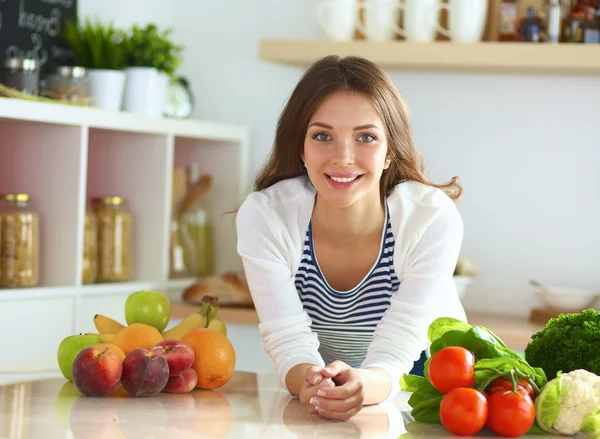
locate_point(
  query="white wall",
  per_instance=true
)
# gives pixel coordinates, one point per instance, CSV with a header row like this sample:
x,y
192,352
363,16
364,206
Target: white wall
x,y
526,147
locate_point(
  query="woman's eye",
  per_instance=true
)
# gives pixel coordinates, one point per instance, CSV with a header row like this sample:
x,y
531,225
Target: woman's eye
x,y
367,138
321,137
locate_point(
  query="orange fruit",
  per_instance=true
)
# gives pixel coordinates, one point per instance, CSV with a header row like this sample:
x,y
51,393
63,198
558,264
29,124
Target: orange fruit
x,y
136,336
115,348
214,360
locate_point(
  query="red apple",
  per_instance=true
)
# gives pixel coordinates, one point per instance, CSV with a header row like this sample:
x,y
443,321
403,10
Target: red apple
x,y
180,356
182,383
97,371
144,373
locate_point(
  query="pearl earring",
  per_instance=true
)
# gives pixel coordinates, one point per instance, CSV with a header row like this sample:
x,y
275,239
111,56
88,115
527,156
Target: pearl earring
x,y
305,165
387,164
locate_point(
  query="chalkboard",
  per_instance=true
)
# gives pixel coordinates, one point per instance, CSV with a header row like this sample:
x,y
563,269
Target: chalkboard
x,y
33,28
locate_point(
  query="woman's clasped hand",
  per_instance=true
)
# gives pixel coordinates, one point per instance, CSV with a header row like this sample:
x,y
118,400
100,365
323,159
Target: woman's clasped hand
x,y
333,392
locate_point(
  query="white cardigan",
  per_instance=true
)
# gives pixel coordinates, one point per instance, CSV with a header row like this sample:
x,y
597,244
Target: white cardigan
x,y
428,232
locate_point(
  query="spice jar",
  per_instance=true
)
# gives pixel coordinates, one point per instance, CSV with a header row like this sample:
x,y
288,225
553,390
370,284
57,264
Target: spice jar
x,y
68,84
19,242
90,244
21,74
114,224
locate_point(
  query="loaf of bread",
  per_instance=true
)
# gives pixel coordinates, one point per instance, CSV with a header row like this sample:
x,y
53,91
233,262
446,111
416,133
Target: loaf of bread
x,y
229,288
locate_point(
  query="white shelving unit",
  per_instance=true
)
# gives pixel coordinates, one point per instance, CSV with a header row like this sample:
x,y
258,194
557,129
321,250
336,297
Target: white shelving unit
x,y
62,156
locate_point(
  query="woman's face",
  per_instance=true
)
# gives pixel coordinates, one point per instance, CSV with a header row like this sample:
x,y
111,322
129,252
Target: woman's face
x,y
345,149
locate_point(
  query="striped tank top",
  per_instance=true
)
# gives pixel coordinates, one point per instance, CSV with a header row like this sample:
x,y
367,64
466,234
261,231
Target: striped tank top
x,y
345,321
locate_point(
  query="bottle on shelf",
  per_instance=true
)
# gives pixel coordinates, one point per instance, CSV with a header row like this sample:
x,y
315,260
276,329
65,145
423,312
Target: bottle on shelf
x,y
529,28
508,20
195,232
19,242
553,22
590,30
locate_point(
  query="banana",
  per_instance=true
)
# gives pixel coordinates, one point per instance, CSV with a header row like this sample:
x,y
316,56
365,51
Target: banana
x,y
193,321
214,322
106,325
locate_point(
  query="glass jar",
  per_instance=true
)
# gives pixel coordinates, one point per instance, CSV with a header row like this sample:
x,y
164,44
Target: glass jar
x,y
115,240
22,75
196,238
90,245
19,242
67,84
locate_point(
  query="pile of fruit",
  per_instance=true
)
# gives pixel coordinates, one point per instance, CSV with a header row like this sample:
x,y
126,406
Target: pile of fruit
x,y
142,358
473,381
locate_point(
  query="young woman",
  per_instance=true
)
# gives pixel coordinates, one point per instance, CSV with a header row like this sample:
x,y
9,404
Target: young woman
x,y
348,249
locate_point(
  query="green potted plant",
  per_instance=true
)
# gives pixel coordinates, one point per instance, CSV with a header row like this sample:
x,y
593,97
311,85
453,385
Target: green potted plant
x,y
101,50
152,59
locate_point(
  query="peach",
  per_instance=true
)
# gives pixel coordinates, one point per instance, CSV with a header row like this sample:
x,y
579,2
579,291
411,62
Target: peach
x,y
182,383
180,356
97,371
144,373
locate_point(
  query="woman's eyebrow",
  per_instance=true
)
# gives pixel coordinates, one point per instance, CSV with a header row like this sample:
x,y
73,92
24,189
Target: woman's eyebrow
x,y
329,127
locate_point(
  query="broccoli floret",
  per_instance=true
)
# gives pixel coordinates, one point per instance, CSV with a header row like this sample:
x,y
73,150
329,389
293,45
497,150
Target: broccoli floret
x,y
568,342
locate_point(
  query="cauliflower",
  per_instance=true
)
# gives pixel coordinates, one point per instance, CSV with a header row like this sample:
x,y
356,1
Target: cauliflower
x,y
570,403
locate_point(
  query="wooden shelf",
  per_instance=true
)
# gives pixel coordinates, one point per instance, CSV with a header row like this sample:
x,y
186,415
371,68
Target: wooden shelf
x,y
444,56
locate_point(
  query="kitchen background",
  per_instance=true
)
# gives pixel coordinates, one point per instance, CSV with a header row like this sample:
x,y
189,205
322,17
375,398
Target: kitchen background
x,y
524,146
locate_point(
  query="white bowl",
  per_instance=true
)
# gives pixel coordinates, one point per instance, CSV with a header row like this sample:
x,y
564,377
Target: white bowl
x,y
462,284
567,298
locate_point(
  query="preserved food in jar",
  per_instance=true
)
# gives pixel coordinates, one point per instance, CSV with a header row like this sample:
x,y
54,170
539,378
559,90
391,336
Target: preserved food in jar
x,y
90,243
114,226
19,242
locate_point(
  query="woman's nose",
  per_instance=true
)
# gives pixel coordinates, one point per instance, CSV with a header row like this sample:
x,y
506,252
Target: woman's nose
x,y
344,152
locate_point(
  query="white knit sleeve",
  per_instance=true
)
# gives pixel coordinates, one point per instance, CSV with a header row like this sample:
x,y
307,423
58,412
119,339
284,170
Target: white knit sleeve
x,y
284,324
401,335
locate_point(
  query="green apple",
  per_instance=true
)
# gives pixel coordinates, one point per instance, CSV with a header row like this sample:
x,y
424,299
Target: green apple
x,y
68,349
149,307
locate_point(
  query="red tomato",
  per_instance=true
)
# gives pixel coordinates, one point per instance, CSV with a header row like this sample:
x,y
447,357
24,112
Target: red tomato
x,y
505,384
452,367
464,411
510,413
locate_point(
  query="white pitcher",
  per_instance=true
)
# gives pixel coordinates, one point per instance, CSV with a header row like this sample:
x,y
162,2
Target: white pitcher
x,y
380,19
337,18
466,20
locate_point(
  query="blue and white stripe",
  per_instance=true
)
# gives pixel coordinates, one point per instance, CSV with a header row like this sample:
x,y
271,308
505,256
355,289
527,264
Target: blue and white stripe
x,y
345,321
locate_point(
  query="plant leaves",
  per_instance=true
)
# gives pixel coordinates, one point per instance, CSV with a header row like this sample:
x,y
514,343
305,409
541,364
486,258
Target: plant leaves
x,y
411,383
444,324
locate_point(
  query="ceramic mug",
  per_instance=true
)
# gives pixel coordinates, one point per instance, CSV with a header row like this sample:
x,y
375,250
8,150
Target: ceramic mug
x,y
337,18
421,20
466,20
380,19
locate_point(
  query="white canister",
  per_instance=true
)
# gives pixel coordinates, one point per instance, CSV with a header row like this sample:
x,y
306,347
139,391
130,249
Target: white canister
x,y
466,20
106,88
145,90
337,18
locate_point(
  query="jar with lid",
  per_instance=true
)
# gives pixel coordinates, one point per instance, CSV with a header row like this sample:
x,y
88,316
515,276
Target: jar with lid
x,y
19,242
21,74
115,239
90,243
67,84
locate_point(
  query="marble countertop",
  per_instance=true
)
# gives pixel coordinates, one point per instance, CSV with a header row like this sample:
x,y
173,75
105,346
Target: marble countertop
x,y
248,406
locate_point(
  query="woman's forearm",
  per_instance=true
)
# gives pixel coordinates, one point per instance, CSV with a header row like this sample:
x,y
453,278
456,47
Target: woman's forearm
x,y
376,385
294,380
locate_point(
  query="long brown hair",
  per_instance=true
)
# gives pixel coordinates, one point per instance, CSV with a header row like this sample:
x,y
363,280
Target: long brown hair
x,y
331,74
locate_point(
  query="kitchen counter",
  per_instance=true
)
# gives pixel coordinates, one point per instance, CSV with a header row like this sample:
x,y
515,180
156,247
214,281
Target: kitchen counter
x,y
513,330
248,406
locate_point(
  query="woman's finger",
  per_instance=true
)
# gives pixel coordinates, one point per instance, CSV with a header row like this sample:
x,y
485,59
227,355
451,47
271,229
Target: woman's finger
x,y
335,368
344,391
313,375
336,405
